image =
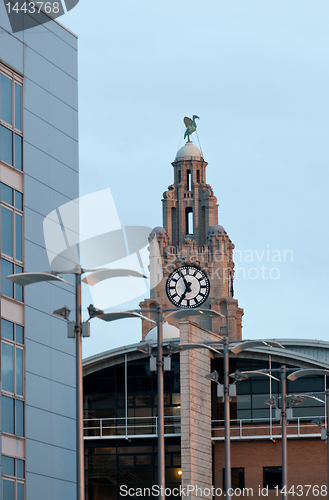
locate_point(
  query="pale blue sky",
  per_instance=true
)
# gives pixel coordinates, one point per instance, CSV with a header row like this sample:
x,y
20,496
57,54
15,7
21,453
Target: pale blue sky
x,y
256,72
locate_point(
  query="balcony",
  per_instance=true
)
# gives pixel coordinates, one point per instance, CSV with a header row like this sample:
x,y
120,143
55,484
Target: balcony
x,y
244,429
241,429
129,427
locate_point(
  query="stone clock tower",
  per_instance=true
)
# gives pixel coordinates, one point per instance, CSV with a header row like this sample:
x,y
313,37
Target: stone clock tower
x,y
191,236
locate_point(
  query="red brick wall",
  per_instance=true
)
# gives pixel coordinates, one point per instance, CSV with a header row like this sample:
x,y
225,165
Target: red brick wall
x,y
307,463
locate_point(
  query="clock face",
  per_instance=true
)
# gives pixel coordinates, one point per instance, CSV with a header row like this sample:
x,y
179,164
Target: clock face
x,y
187,286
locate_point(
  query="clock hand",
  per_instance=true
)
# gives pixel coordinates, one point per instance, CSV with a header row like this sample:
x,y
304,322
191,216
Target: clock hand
x,y
182,276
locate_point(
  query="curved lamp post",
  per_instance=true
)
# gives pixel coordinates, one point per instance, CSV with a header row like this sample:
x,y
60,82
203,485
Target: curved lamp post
x,y
24,279
179,314
307,372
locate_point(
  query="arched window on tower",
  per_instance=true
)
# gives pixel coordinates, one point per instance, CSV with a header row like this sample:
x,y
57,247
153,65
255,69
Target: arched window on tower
x,y
223,311
174,225
203,226
188,180
179,176
189,220
198,175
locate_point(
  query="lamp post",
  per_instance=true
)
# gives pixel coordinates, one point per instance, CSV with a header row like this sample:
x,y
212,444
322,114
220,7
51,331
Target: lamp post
x,y
24,279
179,313
307,372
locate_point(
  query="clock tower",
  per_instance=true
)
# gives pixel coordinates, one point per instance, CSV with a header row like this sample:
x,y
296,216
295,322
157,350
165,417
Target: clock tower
x,y
191,239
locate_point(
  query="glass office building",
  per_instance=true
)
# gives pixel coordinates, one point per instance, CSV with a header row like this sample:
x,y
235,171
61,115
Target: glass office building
x,y
38,173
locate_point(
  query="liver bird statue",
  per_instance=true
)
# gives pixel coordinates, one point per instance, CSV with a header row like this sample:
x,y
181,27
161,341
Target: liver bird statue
x,y
190,126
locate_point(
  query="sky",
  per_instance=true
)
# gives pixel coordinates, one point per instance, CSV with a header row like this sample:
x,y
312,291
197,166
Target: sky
x,y
256,72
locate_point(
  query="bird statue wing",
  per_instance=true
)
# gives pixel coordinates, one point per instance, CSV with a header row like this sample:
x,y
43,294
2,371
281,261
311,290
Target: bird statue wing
x,y
188,122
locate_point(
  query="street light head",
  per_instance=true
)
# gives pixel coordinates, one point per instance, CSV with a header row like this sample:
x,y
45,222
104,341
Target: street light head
x,y
145,347
174,348
93,311
295,400
270,401
317,421
239,376
63,312
213,376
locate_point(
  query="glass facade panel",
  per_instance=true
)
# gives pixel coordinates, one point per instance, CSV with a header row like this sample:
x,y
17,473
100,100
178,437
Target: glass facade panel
x,y
18,200
5,99
7,367
8,489
19,371
20,491
6,231
19,334
8,466
18,289
18,237
20,468
6,193
18,106
7,329
8,415
18,152
6,145
7,287
19,418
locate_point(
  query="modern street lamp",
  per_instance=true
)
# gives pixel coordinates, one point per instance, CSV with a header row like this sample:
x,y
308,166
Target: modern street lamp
x,y
308,372
268,372
95,276
179,314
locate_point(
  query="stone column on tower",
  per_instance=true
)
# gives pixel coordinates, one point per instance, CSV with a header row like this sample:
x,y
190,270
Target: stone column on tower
x,y
191,235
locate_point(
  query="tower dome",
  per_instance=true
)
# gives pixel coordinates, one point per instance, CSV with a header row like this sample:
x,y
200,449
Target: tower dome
x,y
217,229
189,152
159,232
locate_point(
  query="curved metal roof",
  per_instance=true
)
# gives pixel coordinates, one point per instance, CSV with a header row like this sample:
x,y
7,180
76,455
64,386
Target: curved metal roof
x,y
302,352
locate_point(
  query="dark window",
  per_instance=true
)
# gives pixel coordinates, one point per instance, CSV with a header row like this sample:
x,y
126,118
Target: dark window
x,y
237,478
11,139
188,180
189,220
198,175
272,477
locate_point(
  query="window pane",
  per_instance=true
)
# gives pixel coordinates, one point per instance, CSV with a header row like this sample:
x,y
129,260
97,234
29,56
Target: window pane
x,y
19,334
8,466
7,287
7,415
8,489
6,145
18,152
7,367
18,237
20,468
6,194
19,371
18,200
7,231
20,491
7,329
18,106
18,288
19,418
5,99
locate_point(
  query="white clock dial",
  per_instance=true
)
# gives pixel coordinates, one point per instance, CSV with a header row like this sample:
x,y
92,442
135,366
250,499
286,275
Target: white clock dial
x,y
187,286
